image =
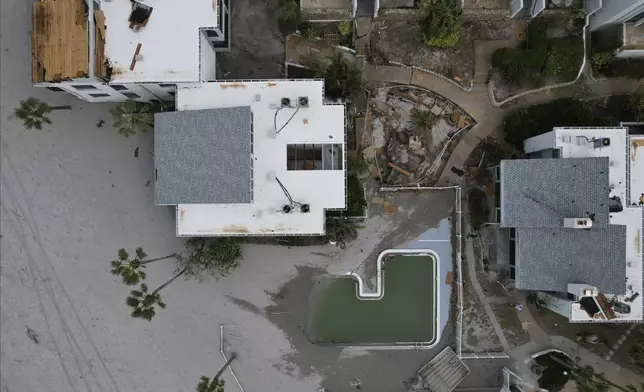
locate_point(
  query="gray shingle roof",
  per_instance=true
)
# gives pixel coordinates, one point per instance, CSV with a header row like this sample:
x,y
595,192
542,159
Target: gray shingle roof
x,y
542,192
203,156
550,258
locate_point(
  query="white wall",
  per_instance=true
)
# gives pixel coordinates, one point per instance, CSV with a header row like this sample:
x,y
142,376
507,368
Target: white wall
x,y
540,142
614,11
207,60
631,53
102,92
515,7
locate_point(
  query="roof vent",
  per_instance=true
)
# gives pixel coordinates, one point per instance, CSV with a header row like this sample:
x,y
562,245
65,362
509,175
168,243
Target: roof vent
x,y
601,142
578,223
286,102
302,102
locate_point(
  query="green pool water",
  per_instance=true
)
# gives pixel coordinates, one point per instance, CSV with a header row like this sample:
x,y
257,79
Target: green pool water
x,y
406,312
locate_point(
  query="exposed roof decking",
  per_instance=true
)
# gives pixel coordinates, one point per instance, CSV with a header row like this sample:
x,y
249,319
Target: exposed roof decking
x,y
317,124
169,40
542,192
59,41
203,156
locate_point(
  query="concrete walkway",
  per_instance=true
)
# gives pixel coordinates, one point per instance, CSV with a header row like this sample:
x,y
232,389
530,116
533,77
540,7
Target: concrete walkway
x,y
470,260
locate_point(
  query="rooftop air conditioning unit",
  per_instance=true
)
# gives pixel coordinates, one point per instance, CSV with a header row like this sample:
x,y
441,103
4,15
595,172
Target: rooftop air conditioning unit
x,y
302,102
601,142
578,223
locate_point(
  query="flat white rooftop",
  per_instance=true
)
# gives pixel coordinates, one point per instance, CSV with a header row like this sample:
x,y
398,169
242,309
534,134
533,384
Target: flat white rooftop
x,y
169,40
578,143
636,162
318,124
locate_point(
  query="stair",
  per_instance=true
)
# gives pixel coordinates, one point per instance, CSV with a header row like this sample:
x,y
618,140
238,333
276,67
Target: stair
x,y
603,303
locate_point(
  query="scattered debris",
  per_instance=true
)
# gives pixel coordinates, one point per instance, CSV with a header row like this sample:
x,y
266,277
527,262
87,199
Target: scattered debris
x,y
100,124
32,334
136,152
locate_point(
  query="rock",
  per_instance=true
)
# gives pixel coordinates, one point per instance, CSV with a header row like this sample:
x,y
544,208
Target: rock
x,y
416,146
403,137
414,162
369,153
378,133
402,155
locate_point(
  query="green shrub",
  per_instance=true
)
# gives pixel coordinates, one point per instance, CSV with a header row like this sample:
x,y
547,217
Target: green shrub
x,y
440,27
291,16
524,123
540,56
564,57
442,42
602,60
345,28
355,196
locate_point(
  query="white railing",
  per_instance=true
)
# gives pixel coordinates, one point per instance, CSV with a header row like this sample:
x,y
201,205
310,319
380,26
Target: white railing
x,y
459,255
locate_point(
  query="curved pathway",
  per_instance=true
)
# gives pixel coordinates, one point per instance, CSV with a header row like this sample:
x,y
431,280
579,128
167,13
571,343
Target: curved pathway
x,y
478,105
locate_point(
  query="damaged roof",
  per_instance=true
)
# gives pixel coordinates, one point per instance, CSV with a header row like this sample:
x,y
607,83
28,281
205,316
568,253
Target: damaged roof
x,y
60,41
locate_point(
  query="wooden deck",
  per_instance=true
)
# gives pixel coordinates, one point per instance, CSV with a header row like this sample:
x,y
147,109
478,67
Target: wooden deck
x,y
60,41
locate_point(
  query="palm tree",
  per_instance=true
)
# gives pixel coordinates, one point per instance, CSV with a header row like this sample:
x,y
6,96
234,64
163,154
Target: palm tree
x,y
33,112
421,120
214,385
131,271
341,78
143,304
131,117
209,256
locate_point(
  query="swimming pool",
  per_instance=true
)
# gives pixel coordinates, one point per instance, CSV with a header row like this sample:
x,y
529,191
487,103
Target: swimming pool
x,y
344,312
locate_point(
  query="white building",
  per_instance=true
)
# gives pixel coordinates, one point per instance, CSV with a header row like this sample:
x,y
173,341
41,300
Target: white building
x,y
138,50
575,209
251,158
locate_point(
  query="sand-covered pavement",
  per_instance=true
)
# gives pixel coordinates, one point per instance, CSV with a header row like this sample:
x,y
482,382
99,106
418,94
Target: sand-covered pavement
x,y
73,194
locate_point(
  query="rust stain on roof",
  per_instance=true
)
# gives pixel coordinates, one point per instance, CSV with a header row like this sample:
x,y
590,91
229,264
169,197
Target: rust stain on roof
x,y
182,212
638,242
635,144
305,121
235,229
270,84
232,85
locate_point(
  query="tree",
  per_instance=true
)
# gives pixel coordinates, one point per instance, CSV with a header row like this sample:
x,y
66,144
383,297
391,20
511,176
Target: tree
x,y
215,385
633,388
341,78
421,120
212,256
291,15
143,304
637,100
440,27
131,117
131,271
341,230
33,112
636,354
589,381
